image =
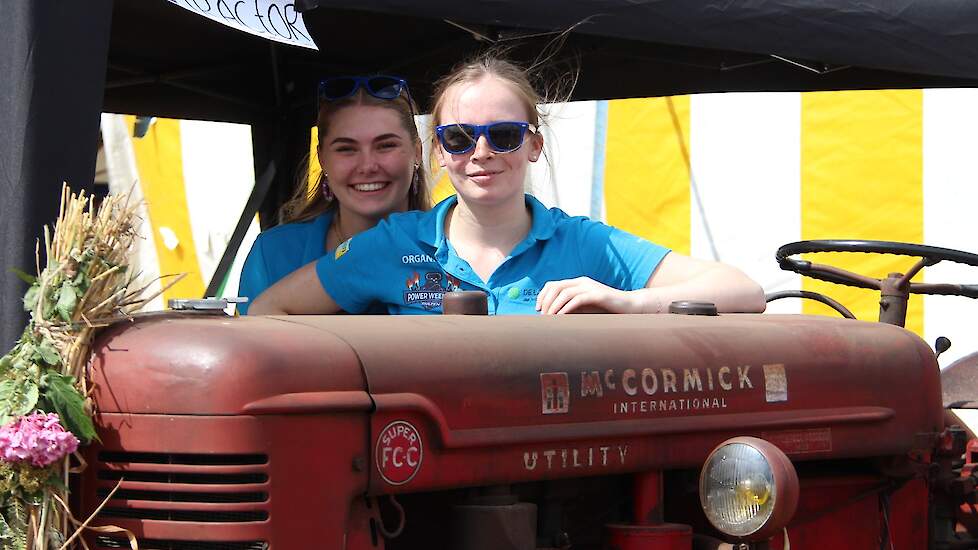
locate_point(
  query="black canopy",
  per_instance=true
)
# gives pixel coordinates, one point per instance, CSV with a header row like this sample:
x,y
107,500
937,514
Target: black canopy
x,y
65,62
623,48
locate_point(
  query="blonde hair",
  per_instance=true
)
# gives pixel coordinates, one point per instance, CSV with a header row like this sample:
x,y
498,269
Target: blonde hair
x,y
557,80
488,65
307,201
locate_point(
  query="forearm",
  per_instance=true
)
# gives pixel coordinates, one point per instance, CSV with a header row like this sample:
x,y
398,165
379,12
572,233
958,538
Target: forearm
x,y
298,294
725,286
266,305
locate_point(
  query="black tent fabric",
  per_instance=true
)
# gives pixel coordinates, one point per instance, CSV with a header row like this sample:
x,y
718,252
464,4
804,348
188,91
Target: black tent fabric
x,y
926,37
641,48
624,48
51,78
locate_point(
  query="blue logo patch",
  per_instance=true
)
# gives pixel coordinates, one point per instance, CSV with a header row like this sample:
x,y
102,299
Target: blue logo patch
x,y
429,291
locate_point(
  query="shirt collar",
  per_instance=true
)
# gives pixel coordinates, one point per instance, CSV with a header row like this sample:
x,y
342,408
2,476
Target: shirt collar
x,y
316,243
431,230
432,227
543,222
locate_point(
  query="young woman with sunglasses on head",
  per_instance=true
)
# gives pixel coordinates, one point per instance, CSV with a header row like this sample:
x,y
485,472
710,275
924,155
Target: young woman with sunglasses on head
x,y
493,237
370,154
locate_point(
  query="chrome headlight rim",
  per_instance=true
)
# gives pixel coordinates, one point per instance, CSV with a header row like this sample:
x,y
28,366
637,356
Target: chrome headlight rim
x,y
784,489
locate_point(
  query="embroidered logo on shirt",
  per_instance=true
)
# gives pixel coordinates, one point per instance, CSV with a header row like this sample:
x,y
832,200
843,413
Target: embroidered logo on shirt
x,y
515,293
343,248
429,291
417,259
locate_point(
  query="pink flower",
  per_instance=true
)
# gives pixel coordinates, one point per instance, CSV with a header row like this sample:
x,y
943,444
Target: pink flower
x,y
38,437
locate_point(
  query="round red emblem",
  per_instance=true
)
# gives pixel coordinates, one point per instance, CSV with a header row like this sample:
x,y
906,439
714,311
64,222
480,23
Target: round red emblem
x,y
399,452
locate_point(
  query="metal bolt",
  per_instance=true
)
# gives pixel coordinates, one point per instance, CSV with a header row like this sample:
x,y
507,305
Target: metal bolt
x,y
359,464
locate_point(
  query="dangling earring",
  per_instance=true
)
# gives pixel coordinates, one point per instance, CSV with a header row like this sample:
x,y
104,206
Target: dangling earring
x,y
415,179
324,185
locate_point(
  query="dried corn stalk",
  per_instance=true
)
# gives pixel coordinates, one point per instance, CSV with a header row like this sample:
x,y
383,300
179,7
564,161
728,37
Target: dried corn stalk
x,y
86,284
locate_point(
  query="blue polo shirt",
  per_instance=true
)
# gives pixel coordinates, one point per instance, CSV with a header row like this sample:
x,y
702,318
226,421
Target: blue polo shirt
x,y
407,264
280,251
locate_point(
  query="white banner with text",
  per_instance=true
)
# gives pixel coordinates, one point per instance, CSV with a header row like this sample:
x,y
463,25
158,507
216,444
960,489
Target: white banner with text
x,y
271,19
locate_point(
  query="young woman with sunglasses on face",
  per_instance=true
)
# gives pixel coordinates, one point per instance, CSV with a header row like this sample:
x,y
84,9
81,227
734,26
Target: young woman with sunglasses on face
x,y
370,154
493,237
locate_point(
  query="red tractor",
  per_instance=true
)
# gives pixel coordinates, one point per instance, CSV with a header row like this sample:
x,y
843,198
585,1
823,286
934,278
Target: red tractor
x,y
665,432
688,430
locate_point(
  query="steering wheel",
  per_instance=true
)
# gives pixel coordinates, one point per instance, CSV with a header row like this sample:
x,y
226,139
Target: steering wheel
x,y
894,288
929,255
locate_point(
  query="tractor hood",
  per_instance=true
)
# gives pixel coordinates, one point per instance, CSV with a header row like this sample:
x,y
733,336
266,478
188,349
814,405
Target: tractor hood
x,y
198,364
488,394
492,397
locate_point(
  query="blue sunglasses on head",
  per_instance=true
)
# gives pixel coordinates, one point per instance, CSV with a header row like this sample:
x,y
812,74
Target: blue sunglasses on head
x,y
379,86
502,137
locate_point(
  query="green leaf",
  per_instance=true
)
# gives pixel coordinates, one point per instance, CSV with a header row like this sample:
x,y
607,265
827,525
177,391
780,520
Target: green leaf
x,y
6,363
67,300
49,301
81,282
17,398
48,353
6,533
27,351
44,404
25,398
69,404
7,391
24,276
19,365
57,483
17,518
30,298
34,499
56,538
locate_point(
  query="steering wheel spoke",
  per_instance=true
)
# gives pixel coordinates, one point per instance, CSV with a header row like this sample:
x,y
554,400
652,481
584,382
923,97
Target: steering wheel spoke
x,y
943,289
896,288
841,276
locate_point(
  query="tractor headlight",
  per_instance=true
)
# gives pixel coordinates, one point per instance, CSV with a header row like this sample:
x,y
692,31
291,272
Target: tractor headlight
x,y
748,488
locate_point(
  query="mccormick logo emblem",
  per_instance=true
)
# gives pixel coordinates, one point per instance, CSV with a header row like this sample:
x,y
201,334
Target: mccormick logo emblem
x,y
554,392
429,291
399,452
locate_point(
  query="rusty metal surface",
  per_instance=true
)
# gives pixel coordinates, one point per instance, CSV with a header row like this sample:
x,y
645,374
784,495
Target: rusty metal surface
x,y
204,364
663,536
894,295
407,404
227,478
647,497
520,398
959,383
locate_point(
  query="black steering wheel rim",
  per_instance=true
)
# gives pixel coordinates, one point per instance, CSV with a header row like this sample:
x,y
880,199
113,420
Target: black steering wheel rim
x,y
933,254
877,247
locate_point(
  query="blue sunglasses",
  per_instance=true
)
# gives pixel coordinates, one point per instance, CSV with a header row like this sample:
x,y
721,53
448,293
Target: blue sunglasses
x,y
379,86
502,137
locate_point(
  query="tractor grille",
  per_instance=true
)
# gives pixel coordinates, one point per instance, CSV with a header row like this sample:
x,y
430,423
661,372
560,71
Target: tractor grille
x,y
151,544
188,478
204,488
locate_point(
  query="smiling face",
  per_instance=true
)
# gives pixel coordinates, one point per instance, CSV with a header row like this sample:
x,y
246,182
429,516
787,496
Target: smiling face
x,y
483,176
369,158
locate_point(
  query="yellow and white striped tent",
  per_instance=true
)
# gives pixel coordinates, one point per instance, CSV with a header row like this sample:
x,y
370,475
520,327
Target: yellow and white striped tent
x,y
195,178
725,176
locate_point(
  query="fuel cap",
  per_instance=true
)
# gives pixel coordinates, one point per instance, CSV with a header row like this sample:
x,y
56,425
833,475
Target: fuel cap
x,y
692,307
